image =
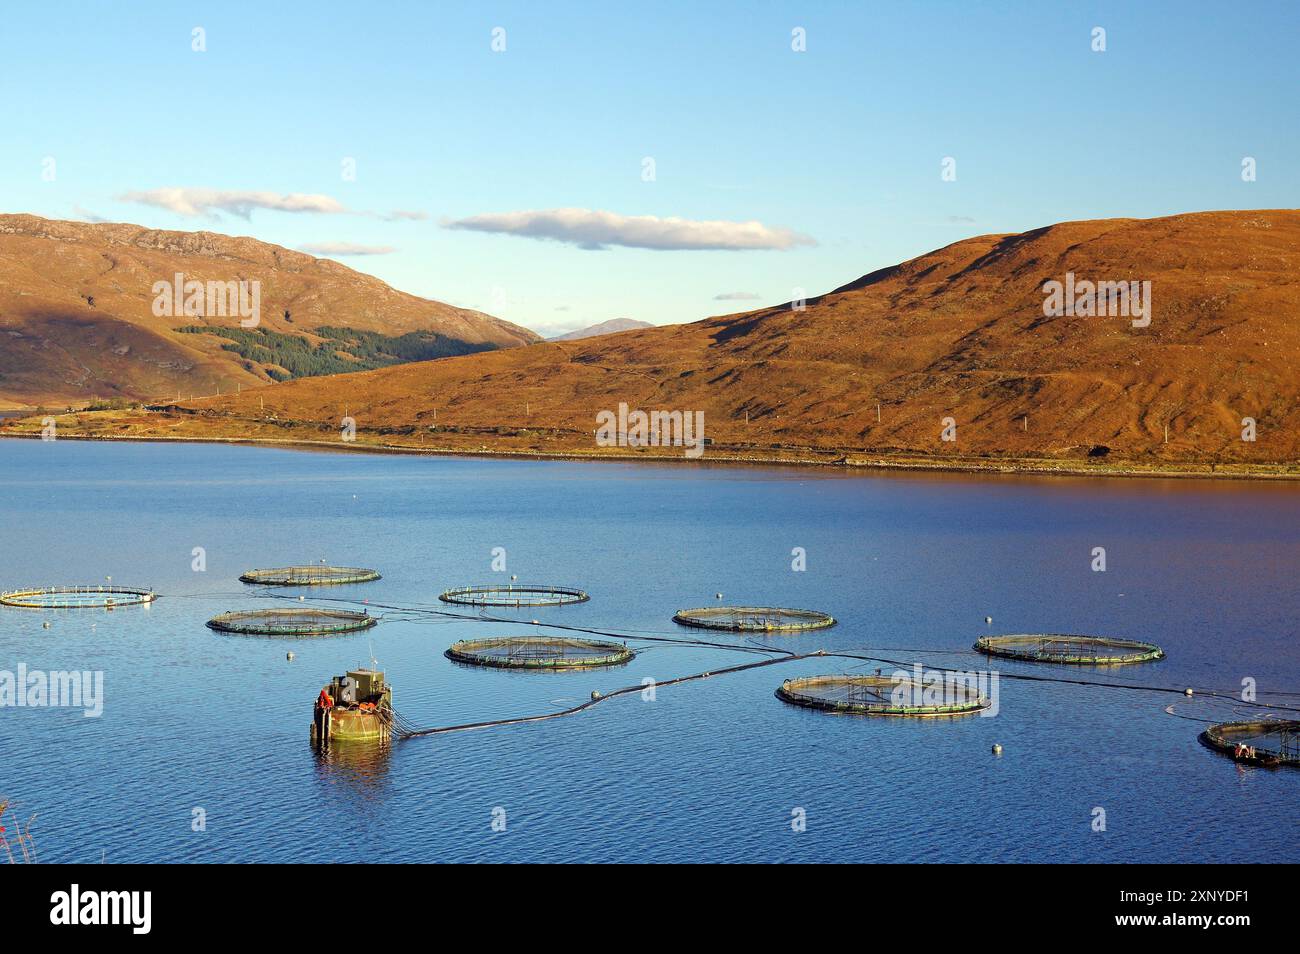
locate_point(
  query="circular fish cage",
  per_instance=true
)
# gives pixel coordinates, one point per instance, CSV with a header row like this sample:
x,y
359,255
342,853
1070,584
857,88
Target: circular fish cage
x,y
763,619
539,652
1070,650
312,575
292,622
1266,742
514,594
76,597
882,696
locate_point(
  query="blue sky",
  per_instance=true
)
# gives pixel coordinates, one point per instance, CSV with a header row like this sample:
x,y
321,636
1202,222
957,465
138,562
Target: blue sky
x,y
836,150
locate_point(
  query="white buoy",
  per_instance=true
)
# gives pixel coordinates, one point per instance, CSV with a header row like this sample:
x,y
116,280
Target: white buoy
x,y
301,599
289,655
514,576
45,625
1187,691
997,748
988,620
718,595
595,694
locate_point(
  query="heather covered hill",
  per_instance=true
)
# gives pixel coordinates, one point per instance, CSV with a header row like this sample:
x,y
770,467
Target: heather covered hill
x,y
77,318
875,366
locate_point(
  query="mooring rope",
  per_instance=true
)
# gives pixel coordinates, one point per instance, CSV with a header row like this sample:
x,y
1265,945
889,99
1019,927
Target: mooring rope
x,y
784,655
1027,677
504,620
517,720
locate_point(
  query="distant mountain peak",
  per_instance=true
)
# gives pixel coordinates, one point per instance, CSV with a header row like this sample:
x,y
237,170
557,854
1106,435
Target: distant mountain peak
x,y
612,326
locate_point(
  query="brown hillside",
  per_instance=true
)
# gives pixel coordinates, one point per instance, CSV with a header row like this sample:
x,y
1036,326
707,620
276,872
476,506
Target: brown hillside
x,y
76,314
957,333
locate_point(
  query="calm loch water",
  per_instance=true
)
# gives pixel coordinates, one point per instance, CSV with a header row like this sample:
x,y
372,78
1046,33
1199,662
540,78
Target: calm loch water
x,y
201,725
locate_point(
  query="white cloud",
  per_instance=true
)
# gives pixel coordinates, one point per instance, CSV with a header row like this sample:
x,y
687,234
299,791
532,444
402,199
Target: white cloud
x,y
198,201
594,229
336,249
405,215
737,296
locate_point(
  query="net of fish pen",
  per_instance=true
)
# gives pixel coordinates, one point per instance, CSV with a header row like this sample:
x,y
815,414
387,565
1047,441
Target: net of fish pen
x,y
1267,742
768,619
514,594
1070,650
76,597
292,622
315,575
939,694
539,652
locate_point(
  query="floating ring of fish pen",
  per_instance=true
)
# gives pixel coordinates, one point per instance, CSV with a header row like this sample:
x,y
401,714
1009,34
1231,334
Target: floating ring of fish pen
x,y
1070,650
76,597
1265,742
766,619
539,652
313,575
292,622
882,695
514,594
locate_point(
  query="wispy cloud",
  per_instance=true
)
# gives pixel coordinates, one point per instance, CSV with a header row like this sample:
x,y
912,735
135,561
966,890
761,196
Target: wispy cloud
x,y
737,296
207,202
85,215
405,215
336,249
594,229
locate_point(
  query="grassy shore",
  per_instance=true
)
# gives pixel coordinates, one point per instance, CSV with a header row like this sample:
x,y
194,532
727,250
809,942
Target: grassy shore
x,y
143,425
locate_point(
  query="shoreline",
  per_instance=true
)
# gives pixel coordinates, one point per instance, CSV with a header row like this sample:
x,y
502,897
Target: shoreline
x,y
864,465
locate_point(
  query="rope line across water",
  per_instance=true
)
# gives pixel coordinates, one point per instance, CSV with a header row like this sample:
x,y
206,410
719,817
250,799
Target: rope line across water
x,y
430,614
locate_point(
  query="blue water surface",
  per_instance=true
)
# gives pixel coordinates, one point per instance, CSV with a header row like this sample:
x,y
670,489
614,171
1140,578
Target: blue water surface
x,y
202,725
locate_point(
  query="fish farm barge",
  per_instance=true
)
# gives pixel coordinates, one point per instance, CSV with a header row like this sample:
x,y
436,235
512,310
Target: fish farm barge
x,y
355,707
